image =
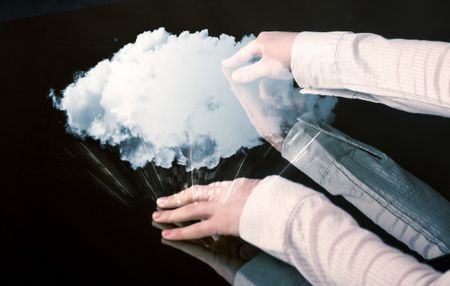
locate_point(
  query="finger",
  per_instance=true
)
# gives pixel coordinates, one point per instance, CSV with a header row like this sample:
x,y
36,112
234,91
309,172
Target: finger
x,y
189,212
205,242
252,72
193,231
201,253
263,68
162,226
245,54
195,193
244,93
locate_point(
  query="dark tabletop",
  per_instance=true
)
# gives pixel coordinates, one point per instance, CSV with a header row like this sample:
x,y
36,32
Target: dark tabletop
x,y
65,221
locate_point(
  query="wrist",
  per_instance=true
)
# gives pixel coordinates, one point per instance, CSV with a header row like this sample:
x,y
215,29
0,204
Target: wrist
x,y
293,36
314,59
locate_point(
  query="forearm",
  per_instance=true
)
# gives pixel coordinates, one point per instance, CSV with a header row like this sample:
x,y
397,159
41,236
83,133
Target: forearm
x,y
303,228
410,75
397,201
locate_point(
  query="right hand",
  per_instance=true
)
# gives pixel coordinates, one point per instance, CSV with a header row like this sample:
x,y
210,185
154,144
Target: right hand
x,y
218,206
274,48
270,104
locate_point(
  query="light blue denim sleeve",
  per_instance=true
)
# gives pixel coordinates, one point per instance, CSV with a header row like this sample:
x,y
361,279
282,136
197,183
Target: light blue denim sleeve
x,y
394,199
264,269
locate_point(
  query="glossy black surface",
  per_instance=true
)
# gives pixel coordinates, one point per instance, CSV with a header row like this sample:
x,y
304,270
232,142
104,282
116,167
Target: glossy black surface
x,y
61,225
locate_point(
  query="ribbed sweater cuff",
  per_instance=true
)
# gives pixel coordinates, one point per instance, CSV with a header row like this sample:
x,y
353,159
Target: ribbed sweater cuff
x,y
268,208
313,59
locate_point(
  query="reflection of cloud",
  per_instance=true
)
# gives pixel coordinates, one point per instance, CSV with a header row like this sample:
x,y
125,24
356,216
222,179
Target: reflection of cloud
x,y
162,98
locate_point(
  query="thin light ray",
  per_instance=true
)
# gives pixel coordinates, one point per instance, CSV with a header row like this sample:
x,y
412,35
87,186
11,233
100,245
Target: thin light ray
x,y
151,163
157,175
148,184
122,188
190,156
235,176
70,153
116,181
192,171
93,157
294,159
110,191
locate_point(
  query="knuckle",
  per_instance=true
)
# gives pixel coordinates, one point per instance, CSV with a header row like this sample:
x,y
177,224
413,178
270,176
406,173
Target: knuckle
x,y
210,195
206,228
182,233
177,233
185,192
167,216
175,200
262,35
197,194
170,202
189,194
190,210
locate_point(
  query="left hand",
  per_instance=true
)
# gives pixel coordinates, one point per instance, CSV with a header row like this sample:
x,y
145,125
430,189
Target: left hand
x,y
217,206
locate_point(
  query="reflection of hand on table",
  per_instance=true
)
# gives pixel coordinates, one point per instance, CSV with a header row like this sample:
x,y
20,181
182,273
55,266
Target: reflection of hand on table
x,y
225,255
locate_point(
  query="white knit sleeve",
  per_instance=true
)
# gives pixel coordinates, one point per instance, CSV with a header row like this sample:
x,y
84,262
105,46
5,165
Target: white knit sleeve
x,y
303,228
410,75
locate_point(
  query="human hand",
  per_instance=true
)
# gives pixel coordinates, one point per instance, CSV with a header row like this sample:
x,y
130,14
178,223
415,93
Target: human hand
x,y
274,48
272,106
225,256
218,206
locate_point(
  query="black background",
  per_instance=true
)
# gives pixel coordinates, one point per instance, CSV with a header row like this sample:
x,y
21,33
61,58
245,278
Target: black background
x,y
58,227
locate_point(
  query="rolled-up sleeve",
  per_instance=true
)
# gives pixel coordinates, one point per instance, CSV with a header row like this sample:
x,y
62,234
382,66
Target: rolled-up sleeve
x,y
303,228
394,199
410,75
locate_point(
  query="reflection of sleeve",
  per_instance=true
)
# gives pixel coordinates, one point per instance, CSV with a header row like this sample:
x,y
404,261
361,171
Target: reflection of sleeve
x,y
394,199
410,75
265,270
303,228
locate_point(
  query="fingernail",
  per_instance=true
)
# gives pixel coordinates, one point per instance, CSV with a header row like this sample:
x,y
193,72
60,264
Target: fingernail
x,y
161,201
166,233
156,215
